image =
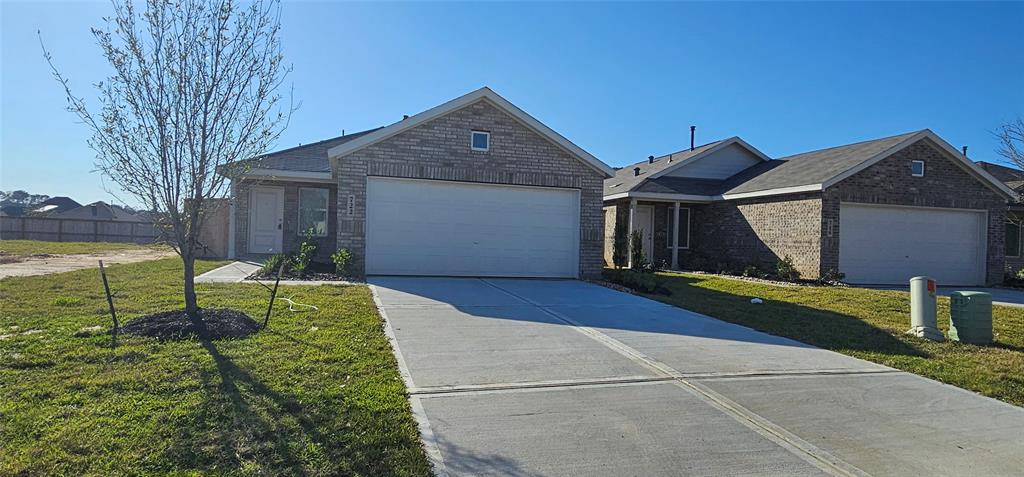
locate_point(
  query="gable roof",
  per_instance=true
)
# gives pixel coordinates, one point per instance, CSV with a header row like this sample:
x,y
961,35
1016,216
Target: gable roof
x,y
310,157
654,178
818,170
484,93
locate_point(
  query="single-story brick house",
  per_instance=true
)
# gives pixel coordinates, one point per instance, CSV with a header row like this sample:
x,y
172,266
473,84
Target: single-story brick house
x,y
473,187
880,211
1014,244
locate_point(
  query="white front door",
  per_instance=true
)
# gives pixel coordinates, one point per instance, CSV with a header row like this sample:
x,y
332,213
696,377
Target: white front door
x,y
889,244
427,227
266,219
645,223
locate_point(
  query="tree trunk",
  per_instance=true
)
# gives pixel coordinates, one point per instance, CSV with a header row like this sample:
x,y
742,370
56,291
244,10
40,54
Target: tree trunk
x,y
191,306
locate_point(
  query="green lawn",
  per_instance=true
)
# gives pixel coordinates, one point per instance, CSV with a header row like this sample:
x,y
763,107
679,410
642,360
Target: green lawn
x,y
316,393
28,247
867,324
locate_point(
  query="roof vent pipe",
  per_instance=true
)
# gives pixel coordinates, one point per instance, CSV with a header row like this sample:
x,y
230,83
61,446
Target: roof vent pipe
x,y
404,117
650,159
636,171
965,151
693,130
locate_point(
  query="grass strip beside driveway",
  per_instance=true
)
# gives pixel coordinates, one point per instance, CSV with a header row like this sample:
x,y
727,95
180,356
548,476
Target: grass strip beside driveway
x,y
316,393
867,324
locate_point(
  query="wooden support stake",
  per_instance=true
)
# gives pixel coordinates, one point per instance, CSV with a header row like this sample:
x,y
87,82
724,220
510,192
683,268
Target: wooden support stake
x,y
273,293
110,300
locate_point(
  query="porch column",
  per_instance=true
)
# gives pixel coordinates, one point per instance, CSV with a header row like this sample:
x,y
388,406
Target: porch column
x,y
629,233
675,237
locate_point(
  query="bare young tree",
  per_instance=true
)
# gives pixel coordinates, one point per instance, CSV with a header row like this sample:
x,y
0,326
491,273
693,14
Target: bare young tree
x,y
194,88
1011,142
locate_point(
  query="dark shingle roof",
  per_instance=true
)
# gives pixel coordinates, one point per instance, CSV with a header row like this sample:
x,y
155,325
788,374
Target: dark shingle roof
x,y
1001,172
625,180
307,157
817,167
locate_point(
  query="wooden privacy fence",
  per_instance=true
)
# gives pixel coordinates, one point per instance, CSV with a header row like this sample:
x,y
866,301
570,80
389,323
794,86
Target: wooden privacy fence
x,y
76,230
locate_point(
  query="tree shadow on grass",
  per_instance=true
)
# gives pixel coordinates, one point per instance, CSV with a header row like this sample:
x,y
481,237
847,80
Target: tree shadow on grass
x,y
245,424
815,326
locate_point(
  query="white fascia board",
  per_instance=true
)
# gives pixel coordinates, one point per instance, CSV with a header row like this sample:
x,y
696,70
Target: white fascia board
x,y
779,191
662,197
283,175
967,164
459,103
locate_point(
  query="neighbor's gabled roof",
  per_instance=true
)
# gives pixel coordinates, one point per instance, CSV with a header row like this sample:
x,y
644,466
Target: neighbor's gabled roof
x,y
653,175
484,93
818,170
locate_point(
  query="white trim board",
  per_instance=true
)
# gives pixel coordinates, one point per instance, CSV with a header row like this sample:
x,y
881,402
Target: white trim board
x,y
484,93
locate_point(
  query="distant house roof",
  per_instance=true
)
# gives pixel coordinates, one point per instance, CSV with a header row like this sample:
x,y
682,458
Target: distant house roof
x,y
1014,178
55,205
806,172
101,210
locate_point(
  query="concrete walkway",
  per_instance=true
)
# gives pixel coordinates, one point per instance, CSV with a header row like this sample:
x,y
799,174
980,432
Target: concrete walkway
x,y
1000,296
550,377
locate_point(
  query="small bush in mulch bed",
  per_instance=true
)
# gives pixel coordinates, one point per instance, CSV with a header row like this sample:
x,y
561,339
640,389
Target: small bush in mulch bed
x,y
314,271
216,323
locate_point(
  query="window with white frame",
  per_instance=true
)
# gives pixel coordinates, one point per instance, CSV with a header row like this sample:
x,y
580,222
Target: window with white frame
x,y
1013,238
480,141
684,227
917,168
313,211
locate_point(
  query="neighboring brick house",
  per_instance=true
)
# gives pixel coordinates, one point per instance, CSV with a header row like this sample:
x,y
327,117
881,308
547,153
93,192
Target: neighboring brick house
x,y
879,211
472,187
1014,179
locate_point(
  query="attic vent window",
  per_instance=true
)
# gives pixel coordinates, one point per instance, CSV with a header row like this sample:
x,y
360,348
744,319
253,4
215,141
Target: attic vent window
x,y
917,168
481,141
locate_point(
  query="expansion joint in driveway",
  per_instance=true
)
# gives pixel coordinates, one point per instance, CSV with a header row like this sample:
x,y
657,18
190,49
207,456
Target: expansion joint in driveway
x,y
775,433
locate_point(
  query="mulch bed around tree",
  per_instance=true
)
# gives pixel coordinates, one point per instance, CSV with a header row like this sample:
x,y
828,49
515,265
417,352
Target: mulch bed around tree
x,y
217,323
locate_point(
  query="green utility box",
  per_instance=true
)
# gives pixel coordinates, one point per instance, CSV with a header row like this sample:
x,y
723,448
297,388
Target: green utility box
x,y
970,317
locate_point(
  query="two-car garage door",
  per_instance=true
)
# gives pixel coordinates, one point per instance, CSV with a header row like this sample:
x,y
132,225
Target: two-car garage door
x,y
889,245
425,227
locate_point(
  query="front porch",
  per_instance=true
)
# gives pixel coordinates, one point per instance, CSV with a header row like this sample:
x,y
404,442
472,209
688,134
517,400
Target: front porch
x,y
665,245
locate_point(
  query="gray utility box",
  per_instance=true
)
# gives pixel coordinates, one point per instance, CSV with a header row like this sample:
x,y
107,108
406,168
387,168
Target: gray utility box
x,y
970,317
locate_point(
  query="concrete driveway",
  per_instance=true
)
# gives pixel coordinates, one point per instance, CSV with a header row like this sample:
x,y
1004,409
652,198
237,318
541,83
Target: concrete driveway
x,y
552,377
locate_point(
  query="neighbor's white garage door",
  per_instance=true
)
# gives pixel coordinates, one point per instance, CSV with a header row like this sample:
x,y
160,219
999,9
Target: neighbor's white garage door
x,y
423,227
889,245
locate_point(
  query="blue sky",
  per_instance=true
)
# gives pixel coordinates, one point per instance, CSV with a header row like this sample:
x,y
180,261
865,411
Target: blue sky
x,y
621,80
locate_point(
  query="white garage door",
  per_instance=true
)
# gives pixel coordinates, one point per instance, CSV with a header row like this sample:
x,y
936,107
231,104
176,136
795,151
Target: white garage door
x,y
889,245
421,227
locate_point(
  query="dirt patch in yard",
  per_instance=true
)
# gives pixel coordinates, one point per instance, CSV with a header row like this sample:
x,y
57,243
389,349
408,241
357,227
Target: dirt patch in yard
x,y
44,264
216,323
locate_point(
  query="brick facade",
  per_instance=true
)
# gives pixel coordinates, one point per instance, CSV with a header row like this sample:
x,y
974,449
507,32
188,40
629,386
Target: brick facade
x,y
439,149
735,233
945,184
291,235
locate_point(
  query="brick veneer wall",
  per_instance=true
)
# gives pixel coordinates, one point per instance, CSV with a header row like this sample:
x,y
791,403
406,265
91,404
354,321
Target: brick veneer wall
x,y
738,233
945,184
291,238
439,149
